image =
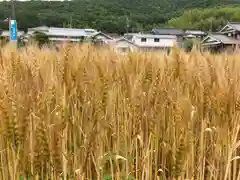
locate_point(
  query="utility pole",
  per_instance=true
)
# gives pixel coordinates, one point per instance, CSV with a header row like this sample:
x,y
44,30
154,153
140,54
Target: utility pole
x,y
13,10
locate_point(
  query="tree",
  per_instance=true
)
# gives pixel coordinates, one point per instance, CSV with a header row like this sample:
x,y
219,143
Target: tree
x,y
40,38
3,40
209,19
110,15
188,45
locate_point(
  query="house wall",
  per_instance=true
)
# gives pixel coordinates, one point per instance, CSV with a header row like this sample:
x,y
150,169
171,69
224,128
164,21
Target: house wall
x,y
221,48
150,42
235,34
124,47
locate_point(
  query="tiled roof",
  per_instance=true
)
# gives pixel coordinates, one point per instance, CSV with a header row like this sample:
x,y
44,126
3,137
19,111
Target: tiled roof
x,y
224,39
235,25
55,31
155,36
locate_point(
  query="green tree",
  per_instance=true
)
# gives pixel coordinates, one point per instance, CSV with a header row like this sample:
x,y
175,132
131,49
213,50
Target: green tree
x,y
209,19
40,38
110,15
188,45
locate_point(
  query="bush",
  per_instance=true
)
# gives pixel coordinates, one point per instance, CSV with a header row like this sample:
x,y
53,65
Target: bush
x,y
188,45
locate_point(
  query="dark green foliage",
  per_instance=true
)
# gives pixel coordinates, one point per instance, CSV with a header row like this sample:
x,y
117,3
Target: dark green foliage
x,y
188,45
3,40
106,15
41,38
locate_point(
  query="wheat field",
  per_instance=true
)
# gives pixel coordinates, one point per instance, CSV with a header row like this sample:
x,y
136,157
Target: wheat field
x,y
87,113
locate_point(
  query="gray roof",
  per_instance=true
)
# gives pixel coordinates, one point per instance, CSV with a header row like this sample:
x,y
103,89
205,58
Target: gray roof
x,y
39,28
66,33
167,31
225,39
155,36
235,25
55,31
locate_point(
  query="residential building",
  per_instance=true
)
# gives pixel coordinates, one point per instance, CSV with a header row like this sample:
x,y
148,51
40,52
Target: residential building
x,y
123,46
179,33
194,34
218,42
228,38
131,42
38,29
56,34
100,38
150,42
231,29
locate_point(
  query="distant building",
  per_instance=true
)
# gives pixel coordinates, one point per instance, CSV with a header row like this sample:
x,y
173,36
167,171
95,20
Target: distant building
x,y
101,38
228,38
154,42
39,28
123,46
131,42
56,34
179,33
218,42
232,29
151,42
193,34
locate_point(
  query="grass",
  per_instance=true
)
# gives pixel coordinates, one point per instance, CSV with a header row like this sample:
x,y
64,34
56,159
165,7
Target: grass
x,y
86,113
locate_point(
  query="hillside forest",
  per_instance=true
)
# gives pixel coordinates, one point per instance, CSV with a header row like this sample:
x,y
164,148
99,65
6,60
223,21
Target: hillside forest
x,y
121,16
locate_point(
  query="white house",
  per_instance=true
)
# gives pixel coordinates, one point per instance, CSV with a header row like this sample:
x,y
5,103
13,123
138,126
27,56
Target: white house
x,y
63,34
150,42
132,42
123,46
101,38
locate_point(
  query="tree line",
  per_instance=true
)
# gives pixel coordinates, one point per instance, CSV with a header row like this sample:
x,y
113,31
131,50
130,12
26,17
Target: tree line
x,y
119,16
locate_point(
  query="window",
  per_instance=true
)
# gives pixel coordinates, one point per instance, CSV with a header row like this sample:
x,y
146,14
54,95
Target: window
x,y
156,39
143,39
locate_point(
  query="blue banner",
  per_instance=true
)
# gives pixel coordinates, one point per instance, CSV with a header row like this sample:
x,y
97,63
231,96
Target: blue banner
x,y
13,30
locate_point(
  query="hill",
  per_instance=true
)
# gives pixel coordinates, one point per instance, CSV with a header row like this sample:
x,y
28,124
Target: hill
x,y
208,19
106,15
